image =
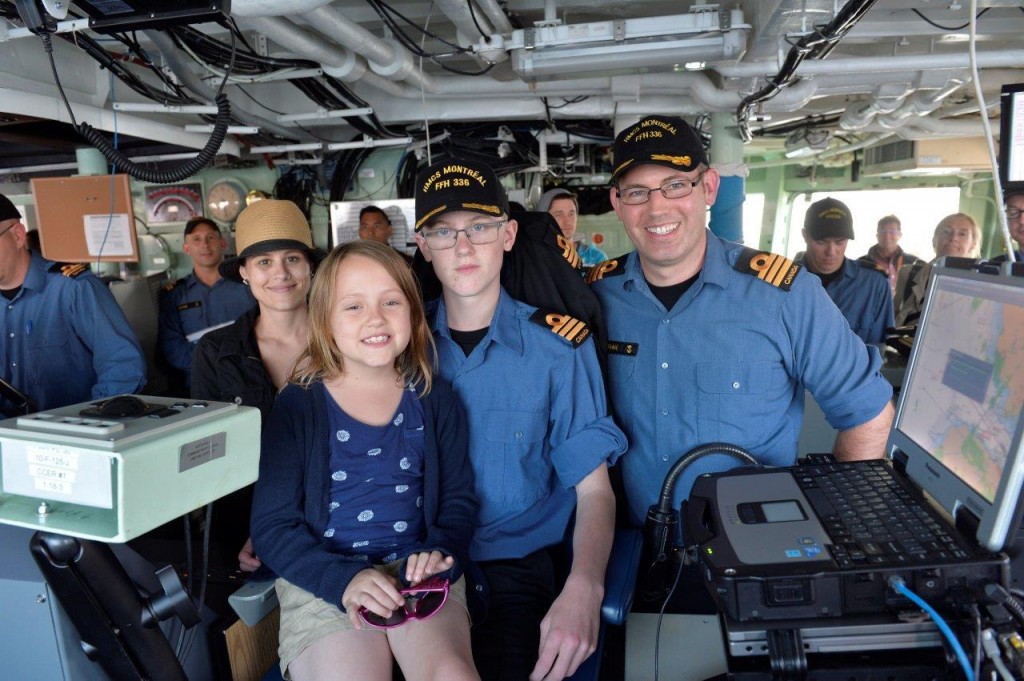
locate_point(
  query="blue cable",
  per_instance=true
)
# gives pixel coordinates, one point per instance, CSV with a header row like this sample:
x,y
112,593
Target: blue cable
x,y
901,588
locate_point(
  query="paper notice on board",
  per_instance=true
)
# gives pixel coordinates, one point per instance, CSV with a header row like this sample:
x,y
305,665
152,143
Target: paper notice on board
x,y
108,235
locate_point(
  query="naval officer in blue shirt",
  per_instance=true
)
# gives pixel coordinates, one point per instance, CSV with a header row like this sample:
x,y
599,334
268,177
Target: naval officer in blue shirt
x,y
203,300
713,342
540,438
64,338
855,287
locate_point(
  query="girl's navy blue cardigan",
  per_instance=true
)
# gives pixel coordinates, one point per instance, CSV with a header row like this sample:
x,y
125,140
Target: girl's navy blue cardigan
x,y
289,513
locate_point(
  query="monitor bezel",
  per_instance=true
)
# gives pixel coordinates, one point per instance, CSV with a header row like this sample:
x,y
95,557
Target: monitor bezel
x,y
1009,94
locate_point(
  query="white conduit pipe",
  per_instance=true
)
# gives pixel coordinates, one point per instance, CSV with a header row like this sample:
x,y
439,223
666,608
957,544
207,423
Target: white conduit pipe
x,y
340,63
387,57
917,62
921,104
458,13
274,8
492,10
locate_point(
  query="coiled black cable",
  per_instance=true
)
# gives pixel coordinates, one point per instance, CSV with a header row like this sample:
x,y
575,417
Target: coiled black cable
x,y
177,174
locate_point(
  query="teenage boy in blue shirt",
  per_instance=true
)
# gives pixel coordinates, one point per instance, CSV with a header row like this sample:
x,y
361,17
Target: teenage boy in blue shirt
x,y
540,437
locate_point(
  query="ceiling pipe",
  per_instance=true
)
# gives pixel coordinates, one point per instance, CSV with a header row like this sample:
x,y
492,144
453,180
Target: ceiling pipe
x,y
176,62
913,62
492,10
387,58
274,8
338,62
884,100
921,104
458,12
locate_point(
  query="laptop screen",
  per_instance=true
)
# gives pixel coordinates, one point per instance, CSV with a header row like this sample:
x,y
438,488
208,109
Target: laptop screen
x,y
959,420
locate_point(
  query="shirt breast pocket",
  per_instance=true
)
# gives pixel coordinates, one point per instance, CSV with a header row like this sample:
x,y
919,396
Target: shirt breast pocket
x,y
736,401
621,367
514,470
53,358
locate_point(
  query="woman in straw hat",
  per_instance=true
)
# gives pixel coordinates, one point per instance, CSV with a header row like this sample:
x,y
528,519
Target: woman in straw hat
x,y
250,360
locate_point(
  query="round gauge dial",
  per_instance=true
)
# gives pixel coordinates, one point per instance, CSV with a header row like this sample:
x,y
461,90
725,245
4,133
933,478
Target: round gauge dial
x,y
225,200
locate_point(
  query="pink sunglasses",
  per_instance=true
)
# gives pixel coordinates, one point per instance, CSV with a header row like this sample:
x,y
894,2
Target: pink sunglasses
x,y
422,601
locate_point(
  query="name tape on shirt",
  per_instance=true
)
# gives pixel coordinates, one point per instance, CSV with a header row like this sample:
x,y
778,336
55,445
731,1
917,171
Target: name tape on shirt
x,y
774,269
190,304
623,348
566,326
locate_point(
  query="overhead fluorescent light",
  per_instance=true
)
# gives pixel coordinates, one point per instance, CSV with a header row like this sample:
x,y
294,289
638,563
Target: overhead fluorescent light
x,y
285,148
628,43
232,129
325,113
160,108
370,143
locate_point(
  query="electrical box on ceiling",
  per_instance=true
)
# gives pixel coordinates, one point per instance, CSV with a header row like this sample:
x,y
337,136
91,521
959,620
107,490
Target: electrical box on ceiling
x,y
927,157
108,16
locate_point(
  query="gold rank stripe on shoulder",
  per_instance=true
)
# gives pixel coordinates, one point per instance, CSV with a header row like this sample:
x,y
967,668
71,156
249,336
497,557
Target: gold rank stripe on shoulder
x,y
73,269
777,270
566,326
569,252
605,269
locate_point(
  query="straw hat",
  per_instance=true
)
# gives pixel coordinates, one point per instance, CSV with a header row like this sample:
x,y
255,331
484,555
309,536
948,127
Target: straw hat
x,y
269,225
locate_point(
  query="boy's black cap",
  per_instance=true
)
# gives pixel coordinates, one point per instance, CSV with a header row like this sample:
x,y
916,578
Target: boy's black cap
x,y
8,211
191,225
662,140
828,219
458,184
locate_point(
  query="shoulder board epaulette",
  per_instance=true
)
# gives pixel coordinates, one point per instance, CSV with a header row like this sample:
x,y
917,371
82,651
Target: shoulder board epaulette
x,y
608,268
566,326
170,286
69,269
774,269
569,252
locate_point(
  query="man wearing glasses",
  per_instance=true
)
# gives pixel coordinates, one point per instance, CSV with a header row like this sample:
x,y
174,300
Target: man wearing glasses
x,y
1015,218
64,338
540,438
887,255
713,342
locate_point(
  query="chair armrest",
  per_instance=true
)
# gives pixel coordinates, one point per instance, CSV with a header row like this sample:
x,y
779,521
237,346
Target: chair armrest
x,y
254,601
620,577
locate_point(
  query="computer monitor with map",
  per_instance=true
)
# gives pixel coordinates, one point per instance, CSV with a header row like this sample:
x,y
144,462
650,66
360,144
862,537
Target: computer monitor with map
x,y
959,421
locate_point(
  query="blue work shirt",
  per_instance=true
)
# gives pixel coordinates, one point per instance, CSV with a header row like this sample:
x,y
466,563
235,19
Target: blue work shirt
x,y
190,306
538,425
862,294
728,363
65,340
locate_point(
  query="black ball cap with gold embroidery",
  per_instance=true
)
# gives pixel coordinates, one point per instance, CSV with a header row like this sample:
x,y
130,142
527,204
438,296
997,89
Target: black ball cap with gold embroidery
x,y
828,219
458,184
662,140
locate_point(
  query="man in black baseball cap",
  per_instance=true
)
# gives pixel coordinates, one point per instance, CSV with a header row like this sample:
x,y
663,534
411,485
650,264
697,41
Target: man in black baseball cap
x,y
710,341
856,287
529,381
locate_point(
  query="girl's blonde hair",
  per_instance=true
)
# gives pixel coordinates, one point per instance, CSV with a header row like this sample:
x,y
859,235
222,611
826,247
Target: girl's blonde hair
x,y
321,359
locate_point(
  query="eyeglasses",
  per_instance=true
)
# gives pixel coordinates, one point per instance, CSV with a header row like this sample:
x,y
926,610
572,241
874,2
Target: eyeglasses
x,y
1013,213
478,235
422,601
888,231
673,189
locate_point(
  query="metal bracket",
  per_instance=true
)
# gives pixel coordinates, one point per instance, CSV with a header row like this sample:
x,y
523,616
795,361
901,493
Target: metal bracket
x,y
529,39
619,30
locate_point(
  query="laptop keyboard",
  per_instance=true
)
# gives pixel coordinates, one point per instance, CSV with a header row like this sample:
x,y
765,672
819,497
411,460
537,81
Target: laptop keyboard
x,y
872,519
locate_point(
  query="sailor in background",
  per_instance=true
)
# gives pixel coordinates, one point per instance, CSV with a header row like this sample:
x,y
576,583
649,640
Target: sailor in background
x,y
200,302
563,207
64,338
858,289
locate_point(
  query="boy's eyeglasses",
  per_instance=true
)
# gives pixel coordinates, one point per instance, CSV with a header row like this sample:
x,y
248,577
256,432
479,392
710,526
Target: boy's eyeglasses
x,y
440,238
421,602
673,189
